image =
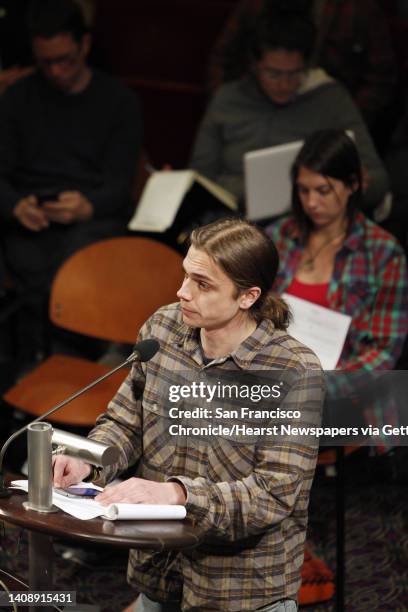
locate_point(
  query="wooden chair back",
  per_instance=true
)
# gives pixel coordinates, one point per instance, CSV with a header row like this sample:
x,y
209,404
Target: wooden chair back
x,y
108,289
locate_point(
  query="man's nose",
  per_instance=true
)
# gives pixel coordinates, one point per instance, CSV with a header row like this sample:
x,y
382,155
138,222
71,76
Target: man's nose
x,y
184,292
286,81
54,70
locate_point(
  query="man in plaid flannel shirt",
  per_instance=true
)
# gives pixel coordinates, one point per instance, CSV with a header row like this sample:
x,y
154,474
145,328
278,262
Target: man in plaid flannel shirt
x,y
247,498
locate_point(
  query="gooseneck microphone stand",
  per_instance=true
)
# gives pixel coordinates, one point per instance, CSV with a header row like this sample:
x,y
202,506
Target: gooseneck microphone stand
x,y
40,438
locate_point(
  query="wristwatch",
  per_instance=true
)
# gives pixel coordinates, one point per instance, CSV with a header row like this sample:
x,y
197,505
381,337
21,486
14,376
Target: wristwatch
x,y
93,475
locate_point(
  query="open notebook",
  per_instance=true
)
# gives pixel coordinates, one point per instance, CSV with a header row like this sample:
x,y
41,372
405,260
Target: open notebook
x,y
168,191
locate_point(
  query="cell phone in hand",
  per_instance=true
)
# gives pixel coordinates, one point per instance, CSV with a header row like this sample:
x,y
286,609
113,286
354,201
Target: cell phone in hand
x,y
87,493
50,196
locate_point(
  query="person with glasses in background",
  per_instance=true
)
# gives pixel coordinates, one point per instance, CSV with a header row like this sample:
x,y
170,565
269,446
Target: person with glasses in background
x,y
353,44
69,141
280,99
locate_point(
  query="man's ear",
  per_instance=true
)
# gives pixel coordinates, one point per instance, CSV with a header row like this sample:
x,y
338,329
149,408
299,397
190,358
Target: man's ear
x,y
86,44
249,297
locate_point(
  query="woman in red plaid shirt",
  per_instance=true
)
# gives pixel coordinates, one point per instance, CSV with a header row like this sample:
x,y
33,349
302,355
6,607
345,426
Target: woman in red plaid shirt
x,y
333,255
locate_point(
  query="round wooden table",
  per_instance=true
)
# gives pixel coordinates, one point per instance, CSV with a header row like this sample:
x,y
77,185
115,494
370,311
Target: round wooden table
x,y
157,535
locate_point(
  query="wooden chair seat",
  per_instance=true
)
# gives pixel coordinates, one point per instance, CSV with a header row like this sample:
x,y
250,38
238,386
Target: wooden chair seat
x,y
57,378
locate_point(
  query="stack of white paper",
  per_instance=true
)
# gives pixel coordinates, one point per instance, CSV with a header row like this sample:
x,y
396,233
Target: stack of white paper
x,y
321,329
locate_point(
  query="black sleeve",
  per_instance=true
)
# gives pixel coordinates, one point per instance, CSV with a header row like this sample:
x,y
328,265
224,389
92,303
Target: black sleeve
x,y
120,158
8,152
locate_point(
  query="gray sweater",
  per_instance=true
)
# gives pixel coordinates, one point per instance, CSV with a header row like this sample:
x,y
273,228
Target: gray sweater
x,y
241,118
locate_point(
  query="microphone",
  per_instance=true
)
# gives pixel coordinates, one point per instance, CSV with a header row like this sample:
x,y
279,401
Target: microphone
x,y
145,350
142,351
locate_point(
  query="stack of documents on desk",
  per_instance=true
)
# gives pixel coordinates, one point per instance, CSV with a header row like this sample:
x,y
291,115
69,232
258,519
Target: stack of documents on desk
x,y
86,509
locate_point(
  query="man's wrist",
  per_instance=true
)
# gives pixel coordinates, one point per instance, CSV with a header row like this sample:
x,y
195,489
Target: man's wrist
x,y
180,494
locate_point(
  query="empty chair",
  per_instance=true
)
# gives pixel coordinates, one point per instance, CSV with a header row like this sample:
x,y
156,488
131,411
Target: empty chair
x,y
106,290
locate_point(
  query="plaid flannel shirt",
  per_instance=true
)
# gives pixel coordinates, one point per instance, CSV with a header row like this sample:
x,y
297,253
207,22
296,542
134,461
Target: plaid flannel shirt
x,y
248,501
353,45
369,283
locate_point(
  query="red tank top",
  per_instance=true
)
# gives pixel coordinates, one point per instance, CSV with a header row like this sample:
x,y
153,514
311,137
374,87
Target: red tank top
x,y
316,293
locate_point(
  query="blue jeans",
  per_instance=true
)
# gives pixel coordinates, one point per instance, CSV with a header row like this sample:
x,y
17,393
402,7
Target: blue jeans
x,y
144,604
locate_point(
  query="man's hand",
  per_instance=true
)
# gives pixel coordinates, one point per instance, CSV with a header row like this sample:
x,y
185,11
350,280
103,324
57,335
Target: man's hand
x,y
68,471
30,215
70,207
140,491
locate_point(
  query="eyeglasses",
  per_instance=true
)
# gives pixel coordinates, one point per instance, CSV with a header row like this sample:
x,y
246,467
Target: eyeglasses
x,y
275,75
64,61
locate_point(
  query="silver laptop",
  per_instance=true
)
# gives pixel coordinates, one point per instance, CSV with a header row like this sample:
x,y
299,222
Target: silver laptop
x,y
267,180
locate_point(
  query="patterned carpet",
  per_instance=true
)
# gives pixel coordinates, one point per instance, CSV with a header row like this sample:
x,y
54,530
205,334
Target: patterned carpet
x,y
376,533
376,544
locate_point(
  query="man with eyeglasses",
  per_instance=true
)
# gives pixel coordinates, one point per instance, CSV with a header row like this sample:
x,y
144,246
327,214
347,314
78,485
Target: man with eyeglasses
x,y
69,141
280,99
353,44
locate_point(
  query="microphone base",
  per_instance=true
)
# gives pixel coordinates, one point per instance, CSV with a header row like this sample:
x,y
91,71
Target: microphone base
x,y
28,506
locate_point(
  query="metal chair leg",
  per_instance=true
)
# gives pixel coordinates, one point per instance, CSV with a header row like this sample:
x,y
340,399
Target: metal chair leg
x,y
340,528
